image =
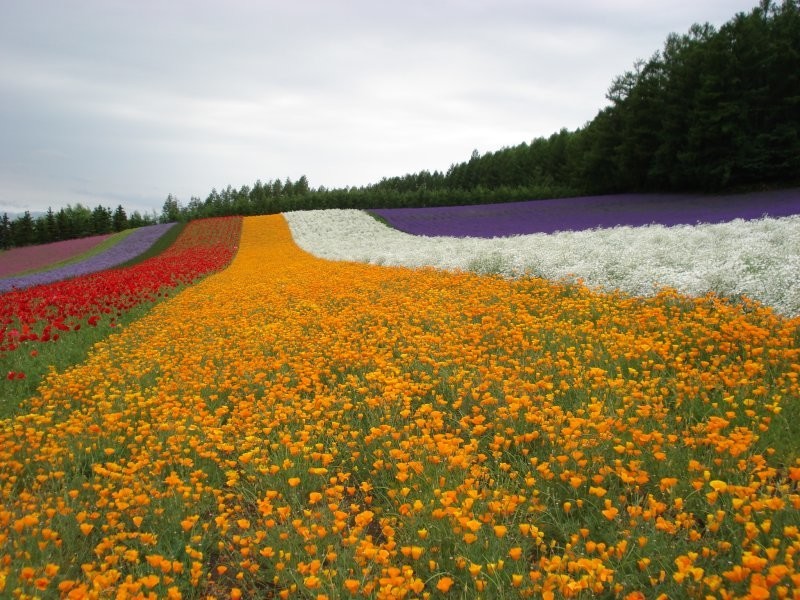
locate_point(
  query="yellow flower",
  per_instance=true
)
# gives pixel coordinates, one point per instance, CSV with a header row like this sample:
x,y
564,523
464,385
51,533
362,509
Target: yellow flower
x,y
718,486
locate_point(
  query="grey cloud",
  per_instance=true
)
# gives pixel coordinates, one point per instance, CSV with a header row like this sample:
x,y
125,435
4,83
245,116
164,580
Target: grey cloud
x,y
133,100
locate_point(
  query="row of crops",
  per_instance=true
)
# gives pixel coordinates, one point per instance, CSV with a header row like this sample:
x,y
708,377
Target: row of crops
x,y
246,419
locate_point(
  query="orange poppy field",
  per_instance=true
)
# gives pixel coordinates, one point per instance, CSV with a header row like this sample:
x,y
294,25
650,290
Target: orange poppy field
x,y
291,427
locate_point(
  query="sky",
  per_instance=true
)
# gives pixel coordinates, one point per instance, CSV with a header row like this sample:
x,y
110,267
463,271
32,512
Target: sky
x,y
109,102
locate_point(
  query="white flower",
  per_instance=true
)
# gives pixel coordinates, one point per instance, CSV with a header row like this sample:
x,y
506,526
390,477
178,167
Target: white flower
x,y
758,258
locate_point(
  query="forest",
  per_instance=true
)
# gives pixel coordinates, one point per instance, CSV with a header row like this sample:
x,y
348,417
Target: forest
x,y
715,110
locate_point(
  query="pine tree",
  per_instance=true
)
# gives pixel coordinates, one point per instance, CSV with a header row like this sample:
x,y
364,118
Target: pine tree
x,y
120,219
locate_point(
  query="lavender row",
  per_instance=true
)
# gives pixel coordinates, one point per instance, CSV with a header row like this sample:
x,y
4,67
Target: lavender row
x,y
589,212
28,258
130,247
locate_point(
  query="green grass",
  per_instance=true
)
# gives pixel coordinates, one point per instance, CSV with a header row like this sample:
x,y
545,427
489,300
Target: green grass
x,y
379,219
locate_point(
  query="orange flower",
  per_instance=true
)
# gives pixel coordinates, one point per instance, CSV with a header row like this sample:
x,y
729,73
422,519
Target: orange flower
x,y
493,412
364,518
444,584
500,530
610,513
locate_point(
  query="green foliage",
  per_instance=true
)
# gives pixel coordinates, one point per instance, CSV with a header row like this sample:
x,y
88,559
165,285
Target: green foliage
x,y
715,110
171,211
22,231
120,219
5,232
68,223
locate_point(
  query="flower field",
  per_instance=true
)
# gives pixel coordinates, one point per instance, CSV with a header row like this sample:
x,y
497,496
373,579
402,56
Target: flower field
x,y
590,212
28,258
134,243
757,258
295,427
32,320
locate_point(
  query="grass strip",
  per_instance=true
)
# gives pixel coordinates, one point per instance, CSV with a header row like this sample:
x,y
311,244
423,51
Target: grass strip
x,y
379,219
164,242
73,349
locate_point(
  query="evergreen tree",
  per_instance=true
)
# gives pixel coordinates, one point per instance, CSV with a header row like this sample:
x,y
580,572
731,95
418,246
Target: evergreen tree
x,y
63,226
5,232
301,186
22,230
102,221
50,226
120,219
241,202
40,234
136,220
80,219
171,211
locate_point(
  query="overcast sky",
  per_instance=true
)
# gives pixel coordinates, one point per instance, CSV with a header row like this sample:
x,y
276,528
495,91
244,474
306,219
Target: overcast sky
x,y
111,102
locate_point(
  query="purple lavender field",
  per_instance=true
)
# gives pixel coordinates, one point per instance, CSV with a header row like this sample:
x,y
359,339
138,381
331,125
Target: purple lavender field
x,y
28,258
130,247
589,212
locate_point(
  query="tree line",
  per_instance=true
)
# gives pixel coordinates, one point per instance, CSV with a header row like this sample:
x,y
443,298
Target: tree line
x,y
714,110
68,223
